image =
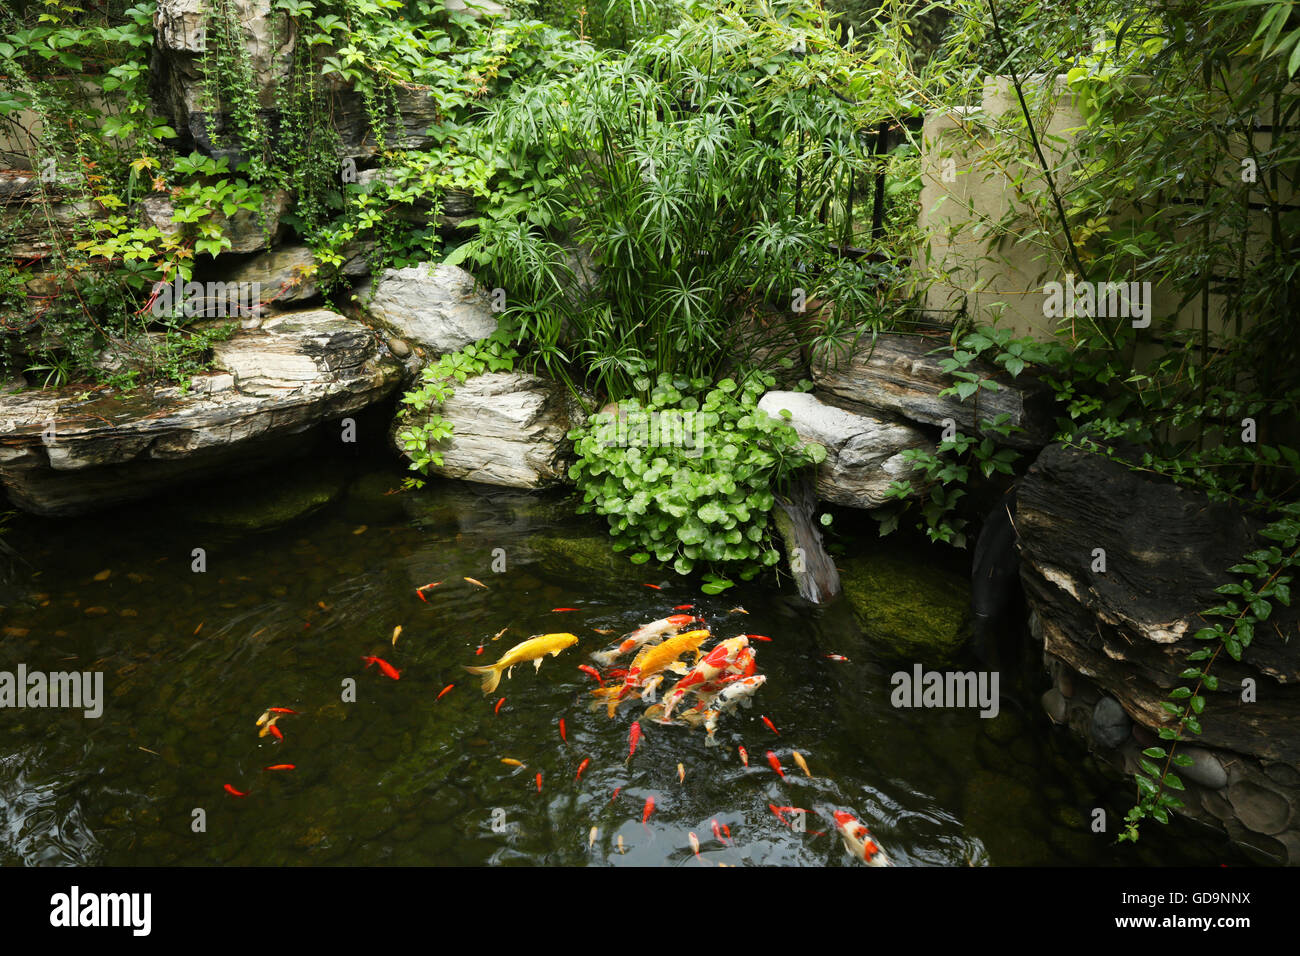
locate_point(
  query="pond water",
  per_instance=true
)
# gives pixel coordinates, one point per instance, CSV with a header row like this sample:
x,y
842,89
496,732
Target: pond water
x,y
282,617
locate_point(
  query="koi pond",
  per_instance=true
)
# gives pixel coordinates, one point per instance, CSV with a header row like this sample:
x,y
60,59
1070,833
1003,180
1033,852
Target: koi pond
x,y
395,773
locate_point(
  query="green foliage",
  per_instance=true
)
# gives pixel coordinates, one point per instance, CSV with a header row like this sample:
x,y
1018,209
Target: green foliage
x,y
686,479
709,170
421,437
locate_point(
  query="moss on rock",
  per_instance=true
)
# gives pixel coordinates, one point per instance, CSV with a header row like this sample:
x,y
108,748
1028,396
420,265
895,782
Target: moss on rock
x,y
259,504
909,610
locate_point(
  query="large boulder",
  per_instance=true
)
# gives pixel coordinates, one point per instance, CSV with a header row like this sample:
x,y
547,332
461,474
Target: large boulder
x,y
436,307
247,230
1122,635
902,374
509,429
65,451
864,454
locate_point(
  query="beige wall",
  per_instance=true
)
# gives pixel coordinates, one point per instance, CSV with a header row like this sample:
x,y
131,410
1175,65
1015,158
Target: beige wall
x,y
970,258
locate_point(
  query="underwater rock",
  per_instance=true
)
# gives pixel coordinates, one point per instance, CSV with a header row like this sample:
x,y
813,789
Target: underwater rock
x,y
909,610
68,451
864,455
1007,816
1110,725
899,374
257,506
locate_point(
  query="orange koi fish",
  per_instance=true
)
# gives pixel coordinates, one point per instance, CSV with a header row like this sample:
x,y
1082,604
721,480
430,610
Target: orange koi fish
x,y
388,669
717,832
803,764
443,691
771,726
581,767
497,708
744,755
478,650
281,710
562,734
617,791
592,673
649,809
232,791
275,732
684,607
633,738
539,783
758,637
561,610
655,586
774,763
279,766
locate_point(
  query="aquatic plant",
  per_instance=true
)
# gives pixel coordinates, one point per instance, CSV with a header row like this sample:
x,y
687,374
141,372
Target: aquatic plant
x,y
686,479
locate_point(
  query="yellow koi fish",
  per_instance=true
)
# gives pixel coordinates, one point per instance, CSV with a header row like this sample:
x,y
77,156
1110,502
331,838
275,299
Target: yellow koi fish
x,y
651,661
533,649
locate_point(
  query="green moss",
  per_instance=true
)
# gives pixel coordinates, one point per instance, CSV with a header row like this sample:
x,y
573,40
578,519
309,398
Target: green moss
x,y
593,554
909,610
255,505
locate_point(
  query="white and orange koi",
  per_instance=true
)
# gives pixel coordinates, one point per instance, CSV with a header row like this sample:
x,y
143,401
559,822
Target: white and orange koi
x,y
652,632
858,841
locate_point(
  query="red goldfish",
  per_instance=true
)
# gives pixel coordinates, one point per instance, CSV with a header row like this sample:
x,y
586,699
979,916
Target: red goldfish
x,y
388,669
279,766
771,726
581,767
633,738
443,691
592,673
774,763
497,708
717,832
232,791
649,809
744,755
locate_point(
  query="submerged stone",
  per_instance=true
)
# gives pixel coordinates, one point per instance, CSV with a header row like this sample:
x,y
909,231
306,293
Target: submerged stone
x,y
908,610
254,506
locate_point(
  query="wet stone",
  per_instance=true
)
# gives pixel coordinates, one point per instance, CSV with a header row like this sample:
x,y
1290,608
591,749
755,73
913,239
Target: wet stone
x,y
1205,768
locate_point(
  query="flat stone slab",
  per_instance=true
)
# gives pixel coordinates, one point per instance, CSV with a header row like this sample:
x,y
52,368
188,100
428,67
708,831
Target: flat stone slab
x,y
68,451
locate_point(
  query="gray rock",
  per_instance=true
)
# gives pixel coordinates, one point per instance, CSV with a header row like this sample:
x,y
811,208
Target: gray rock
x,y
1110,725
398,346
1259,808
863,454
269,387
1204,769
898,373
247,230
509,429
1054,705
290,276
436,307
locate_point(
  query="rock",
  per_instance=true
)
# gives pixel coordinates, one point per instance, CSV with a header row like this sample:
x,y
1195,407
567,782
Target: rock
x,y
1130,628
863,454
259,506
290,276
1204,769
247,230
176,80
509,429
476,8
1110,725
397,346
1054,705
436,307
1259,808
269,387
898,374
909,610
1003,728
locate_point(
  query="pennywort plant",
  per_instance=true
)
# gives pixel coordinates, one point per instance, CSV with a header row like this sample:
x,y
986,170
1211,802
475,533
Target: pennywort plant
x,y
696,495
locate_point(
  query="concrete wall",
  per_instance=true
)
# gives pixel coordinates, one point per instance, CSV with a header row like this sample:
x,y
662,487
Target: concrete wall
x,y
986,250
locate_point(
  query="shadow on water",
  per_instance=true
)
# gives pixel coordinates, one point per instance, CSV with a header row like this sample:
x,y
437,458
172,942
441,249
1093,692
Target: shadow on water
x,y
307,574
